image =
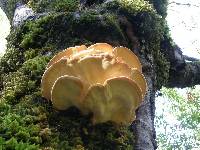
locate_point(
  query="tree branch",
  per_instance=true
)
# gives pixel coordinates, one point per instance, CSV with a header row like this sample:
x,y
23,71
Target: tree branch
x,y
183,4
185,76
184,70
187,58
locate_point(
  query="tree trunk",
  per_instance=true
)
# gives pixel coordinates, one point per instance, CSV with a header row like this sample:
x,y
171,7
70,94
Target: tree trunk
x,y
46,28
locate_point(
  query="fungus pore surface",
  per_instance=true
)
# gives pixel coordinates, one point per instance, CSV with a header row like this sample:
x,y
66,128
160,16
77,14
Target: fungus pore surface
x,y
102,80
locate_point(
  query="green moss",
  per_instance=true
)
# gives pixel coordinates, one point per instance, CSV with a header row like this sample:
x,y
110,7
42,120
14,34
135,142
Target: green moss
x,y
53,32
14,144
16,75
32,53
98,27
17,130
78,130
94,2
34,68
65,5
10,61
160,6
15,85
34,122
135,6
54,5
132,7
43,6
150,31
61,30
149,28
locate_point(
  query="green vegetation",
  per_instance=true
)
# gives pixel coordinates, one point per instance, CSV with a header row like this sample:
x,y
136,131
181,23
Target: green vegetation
x,y
43,6
178,126
54,5
160,6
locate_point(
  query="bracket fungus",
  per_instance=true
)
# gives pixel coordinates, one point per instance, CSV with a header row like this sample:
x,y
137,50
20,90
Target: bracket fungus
x,y
100,79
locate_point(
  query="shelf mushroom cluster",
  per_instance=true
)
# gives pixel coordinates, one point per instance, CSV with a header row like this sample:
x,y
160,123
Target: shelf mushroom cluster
x,y
100,79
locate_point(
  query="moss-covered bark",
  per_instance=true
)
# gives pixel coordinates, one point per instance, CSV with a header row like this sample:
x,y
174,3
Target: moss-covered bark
x,y
29,121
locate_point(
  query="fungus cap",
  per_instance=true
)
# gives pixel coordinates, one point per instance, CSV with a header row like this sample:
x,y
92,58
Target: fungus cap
x,y
128,57
66,53
56,70
104,47
91,69
116,100
100,79
66,92
139,79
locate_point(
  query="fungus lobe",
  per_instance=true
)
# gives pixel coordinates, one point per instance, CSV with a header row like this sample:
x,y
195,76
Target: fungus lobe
x,y
100,79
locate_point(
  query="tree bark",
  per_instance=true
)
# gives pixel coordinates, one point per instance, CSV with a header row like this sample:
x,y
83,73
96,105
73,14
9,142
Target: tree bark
x,y
187,75
143,126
